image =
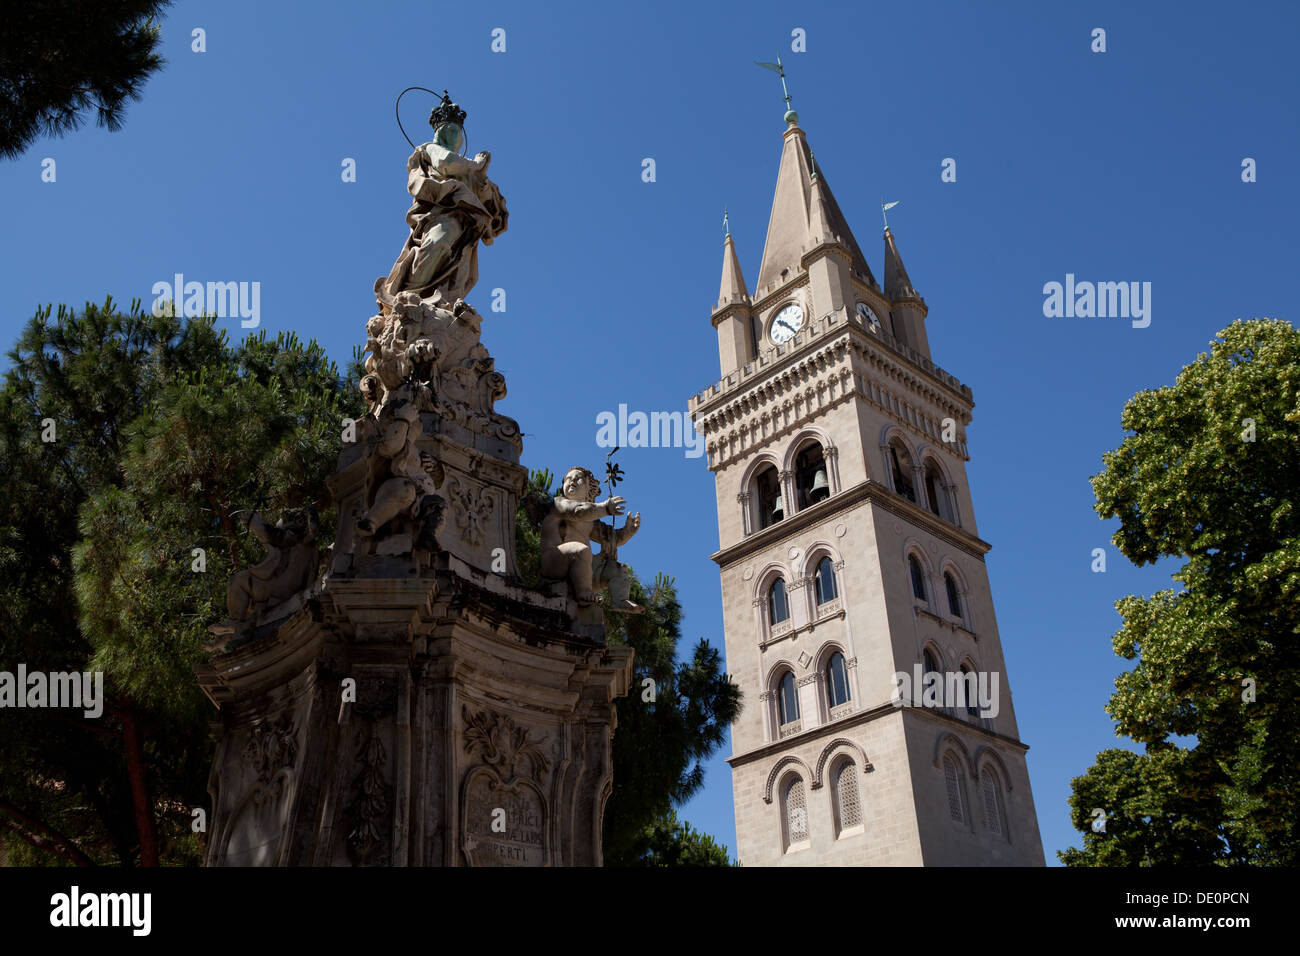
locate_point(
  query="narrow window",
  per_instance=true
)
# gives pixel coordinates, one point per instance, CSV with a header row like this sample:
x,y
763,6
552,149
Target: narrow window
x,y
812,483
848,805
767,492
992,802
956,803
837,680
796,814
778,605
918,577
902,466
954,596
971,689
934,490
825,581
787,700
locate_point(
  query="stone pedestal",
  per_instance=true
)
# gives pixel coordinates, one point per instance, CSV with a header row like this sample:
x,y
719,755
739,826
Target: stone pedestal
x,y
444,718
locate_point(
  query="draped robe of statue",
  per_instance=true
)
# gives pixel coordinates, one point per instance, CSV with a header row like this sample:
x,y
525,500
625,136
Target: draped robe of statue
x,y
455,207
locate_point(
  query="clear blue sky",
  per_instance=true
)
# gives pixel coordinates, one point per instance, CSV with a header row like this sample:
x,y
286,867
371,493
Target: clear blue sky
x,y
1122,166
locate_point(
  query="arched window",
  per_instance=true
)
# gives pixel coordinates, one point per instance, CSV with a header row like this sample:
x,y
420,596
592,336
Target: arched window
x,y
956,795
935,492
787,703
778,605
970,686
848,804
812,481
931,662
837,681
900,463
918,577
794,815
824,581
954,596
767,493
993,809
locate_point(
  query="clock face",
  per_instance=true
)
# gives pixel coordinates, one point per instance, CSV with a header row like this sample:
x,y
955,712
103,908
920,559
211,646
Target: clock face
x,y
787,322
865,313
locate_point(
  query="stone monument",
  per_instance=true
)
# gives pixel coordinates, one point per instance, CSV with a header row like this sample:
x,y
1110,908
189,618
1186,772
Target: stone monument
x,y
404,699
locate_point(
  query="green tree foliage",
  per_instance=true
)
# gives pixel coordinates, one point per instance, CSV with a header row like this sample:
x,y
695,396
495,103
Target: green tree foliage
x,y
60,59
1209,473
163,432
675,717
667,842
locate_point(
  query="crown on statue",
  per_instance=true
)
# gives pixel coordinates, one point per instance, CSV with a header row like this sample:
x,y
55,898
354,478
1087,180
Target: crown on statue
x,y
446,112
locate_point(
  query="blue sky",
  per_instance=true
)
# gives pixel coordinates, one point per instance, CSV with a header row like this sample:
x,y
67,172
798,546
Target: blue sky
x,y
1116,166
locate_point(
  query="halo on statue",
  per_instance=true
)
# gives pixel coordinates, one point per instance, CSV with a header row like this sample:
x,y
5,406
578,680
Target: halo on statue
x,y
397,112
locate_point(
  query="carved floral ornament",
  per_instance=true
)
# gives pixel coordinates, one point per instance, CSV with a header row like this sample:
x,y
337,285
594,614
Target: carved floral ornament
x,y
501,744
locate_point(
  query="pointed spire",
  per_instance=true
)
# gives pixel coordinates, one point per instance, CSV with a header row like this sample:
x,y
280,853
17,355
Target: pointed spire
x,y
733,283
804,215
897,284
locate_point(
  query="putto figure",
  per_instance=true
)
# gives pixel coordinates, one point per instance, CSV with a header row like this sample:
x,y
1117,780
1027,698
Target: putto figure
x,y
456,206
290,565
567,530
400,475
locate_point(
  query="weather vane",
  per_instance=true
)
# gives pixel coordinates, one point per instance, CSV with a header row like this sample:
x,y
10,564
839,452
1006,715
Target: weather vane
x,y
885,207
779,69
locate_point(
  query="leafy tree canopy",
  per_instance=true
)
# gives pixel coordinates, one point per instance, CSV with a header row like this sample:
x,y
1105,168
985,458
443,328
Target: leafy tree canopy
x,y
1209,472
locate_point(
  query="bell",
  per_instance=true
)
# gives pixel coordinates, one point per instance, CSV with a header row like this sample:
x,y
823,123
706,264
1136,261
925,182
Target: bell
x,y
779,511
820,487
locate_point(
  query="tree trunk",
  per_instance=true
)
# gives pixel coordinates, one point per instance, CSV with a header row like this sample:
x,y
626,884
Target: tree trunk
x,y
144,823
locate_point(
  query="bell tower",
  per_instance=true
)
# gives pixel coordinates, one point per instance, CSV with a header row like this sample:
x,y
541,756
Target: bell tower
x,y
878,727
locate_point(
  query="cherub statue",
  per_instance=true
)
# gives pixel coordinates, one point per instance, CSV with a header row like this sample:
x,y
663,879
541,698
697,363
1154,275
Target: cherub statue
x,y
567,529
289,567
400,475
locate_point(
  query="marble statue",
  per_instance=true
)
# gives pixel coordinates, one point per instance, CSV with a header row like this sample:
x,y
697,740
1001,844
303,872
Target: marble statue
x,y
290,565
456,206
569,526
399,474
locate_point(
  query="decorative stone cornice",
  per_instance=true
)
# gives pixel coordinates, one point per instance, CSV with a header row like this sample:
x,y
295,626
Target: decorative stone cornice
x,y
843,502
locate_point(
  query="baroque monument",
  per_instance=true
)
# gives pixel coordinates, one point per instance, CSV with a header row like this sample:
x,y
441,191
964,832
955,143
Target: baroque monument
x,y
855,594
403,698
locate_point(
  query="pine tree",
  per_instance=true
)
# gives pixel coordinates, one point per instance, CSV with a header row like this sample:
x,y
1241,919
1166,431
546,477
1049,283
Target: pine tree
x,y
61,59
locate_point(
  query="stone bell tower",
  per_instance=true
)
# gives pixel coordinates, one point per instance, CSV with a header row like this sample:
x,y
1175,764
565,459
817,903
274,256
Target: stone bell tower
x,y
405,699
849,554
